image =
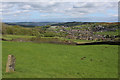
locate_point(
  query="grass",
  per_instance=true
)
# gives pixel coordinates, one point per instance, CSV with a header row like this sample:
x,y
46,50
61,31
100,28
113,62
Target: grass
x,y
83,41
77,40
112,33
60,61
10,37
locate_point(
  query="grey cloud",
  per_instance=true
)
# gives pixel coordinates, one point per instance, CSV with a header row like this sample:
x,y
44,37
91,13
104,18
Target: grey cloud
x,y
59,6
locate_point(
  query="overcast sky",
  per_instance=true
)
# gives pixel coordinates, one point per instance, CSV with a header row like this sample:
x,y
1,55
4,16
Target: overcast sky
x,y
59,11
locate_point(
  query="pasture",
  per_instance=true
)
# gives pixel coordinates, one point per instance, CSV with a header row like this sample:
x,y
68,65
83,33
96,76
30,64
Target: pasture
x,y
45,60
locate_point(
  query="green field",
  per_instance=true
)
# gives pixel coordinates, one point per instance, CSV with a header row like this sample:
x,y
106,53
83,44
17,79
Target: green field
x,y
112,33
60,61
10,37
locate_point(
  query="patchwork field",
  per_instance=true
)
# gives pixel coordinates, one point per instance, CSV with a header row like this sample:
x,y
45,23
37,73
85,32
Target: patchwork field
x,y
35,60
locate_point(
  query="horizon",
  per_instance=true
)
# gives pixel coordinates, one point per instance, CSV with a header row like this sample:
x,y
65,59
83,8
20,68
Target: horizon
x,y
64,22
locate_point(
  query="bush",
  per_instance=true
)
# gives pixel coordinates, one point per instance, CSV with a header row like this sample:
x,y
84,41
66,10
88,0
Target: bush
x,y
49,34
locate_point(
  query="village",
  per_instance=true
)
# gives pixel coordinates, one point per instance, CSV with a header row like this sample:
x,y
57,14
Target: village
x,y
87,32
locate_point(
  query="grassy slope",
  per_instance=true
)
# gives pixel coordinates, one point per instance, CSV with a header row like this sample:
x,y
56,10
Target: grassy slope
x,y
61,61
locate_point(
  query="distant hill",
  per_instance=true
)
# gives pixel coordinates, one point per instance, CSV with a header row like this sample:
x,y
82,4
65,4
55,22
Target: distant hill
x,y
31,24
68,24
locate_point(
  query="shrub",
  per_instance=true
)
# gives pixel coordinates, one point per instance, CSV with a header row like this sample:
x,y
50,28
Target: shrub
x,y
49,34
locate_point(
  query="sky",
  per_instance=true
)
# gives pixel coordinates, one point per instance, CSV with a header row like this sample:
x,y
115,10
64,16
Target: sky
x,y
59,11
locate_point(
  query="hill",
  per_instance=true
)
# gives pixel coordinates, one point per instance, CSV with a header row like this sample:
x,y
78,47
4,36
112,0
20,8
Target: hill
x,y
30,24
68,24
